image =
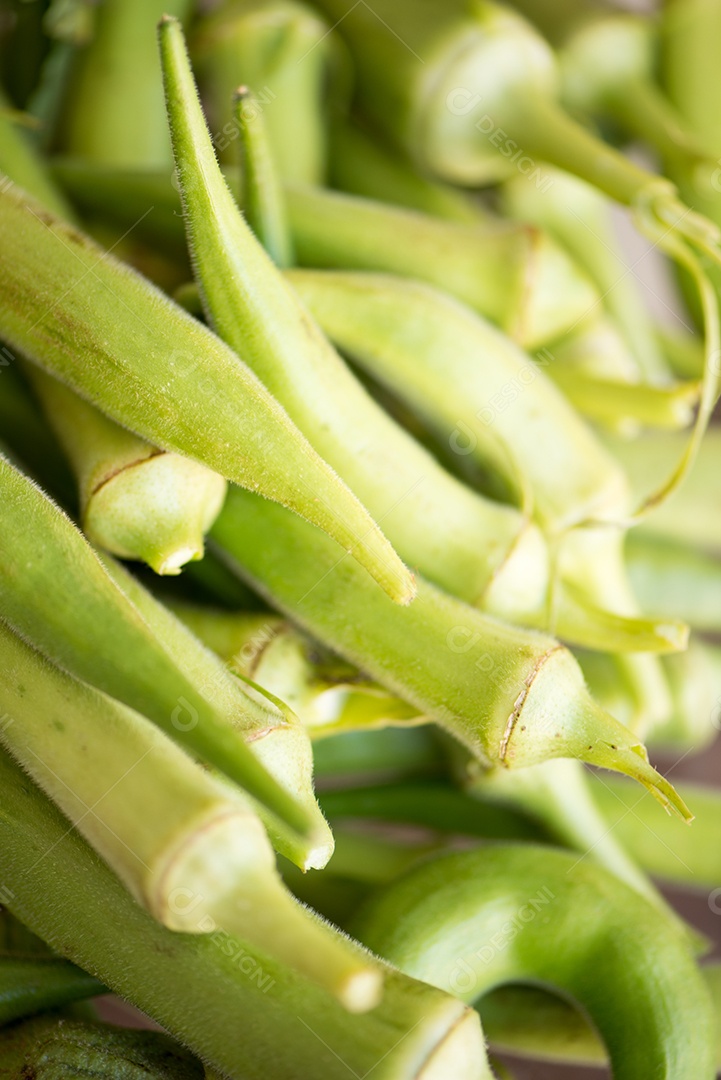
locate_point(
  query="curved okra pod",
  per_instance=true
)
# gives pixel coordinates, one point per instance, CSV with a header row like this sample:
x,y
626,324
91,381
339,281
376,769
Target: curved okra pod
x,y
470,922
515,275
57,1046
471,546
136,501
282,49
35,985
160,821
530,1022
290,1026
513,697
114,109
277,738
173,381
57,594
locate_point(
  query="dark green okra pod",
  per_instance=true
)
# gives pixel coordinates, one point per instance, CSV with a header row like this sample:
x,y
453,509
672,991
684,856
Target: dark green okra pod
x,y
33,985
53,1048
472,921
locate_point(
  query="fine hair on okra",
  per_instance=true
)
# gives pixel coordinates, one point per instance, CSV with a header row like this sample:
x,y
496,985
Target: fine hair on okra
x,y
289,1025
434,923
187,846
174,382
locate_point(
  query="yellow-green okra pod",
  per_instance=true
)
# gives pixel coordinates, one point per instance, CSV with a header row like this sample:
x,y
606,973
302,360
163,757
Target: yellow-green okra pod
x,y
277,738
515,275
55,592
188,847
146,363
482,550
197,986
472,921
282,50
136,501
113,112
512,697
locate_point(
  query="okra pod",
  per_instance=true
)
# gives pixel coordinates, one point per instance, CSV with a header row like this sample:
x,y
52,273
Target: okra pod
x,y
56,593
57,1046
136,501
515,275
173,381
282,50
471,546
161,822
114,109
277,738
29,986
580,931
511,696
262,196
19,162
579,217
290,1026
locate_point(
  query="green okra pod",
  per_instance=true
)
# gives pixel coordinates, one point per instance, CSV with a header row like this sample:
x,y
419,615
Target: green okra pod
x,y
277,738
29,986
692,514
513,697
670,576
136,501
114,108
56,593
161,822
283,50
20,163
514,913
173,381
471,546
262,195
361,165
515,275
54,1047
198,986
474,385
618,403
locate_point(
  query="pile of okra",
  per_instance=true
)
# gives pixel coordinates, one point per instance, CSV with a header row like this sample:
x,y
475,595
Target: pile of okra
x,y
360,538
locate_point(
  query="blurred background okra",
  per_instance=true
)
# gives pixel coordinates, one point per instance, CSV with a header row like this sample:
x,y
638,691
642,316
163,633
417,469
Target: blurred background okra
x,y
326,317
